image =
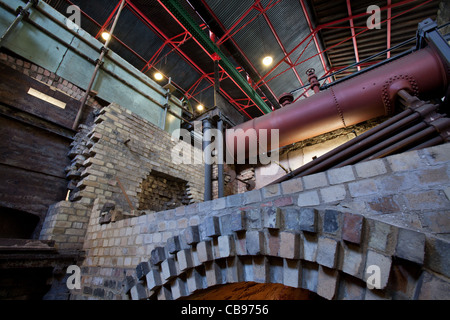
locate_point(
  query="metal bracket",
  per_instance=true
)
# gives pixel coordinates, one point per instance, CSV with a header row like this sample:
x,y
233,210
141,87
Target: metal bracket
x,y
427,33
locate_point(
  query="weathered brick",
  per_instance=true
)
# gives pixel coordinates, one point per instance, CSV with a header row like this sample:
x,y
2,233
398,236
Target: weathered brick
x,y
157,255
437,256
211,226
308,219
204,251
235,271
410,245
362,188
327,281
252,196
226,246
309,247
173,244
191,235
283,202
289,245
353,261
310,275
371,168
384,205
168,268
142,269
178,288
309,198
352,227
383,263
261,271
138,292
341,175
213,274
327,252
164,294
405,161
380,236
184,259
254,242
433,288
427,200
153,279
237,221
271,217
292,186
292,273
271,191
315,181
194,280
331,221
333,193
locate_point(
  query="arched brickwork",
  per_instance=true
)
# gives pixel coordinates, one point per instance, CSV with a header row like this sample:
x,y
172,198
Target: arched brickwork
x,y
328,252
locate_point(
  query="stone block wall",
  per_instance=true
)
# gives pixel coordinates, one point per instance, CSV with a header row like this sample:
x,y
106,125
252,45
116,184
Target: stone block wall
x,y
322,232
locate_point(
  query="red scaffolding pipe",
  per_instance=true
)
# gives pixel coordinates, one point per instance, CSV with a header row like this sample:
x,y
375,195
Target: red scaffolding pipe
x,y
352,29
316,42
275,34
262,81
216,19
158,31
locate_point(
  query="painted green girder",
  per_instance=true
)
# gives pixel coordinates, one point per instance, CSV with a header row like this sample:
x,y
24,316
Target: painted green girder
x,y
189,23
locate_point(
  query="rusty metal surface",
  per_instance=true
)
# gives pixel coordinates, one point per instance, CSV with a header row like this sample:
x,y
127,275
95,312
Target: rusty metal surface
x,y
367,96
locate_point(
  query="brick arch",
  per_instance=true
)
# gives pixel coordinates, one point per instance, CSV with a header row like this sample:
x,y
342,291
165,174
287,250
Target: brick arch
x,y
325,251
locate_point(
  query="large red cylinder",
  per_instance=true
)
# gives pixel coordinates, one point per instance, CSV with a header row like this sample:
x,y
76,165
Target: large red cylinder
x,y
366,96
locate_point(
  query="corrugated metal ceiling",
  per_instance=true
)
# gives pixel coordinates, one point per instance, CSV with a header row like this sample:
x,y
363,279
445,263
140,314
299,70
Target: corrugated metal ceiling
x,y
187,63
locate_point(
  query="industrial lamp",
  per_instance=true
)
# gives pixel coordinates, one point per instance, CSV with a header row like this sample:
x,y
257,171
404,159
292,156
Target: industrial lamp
x,y
267,61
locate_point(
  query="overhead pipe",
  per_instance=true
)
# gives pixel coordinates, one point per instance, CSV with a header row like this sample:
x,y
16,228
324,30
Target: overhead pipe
x,y
367,96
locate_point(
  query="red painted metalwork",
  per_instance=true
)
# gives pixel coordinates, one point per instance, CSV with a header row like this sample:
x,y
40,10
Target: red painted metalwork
x,y
262,81
316,42
352,29
158,31
275,34
256,6
243,55
366,96
108,20
389,27
152,61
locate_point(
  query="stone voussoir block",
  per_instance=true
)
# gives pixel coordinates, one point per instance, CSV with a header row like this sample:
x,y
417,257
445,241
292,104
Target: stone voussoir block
x,y
410,245
211,226
153,279
191,235
226,246
327,252
271,217
237,221
142,269
352,227
157,256
204,251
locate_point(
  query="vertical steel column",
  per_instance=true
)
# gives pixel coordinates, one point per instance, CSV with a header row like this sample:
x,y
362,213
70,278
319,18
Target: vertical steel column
x,y
22,13
97,67
207,158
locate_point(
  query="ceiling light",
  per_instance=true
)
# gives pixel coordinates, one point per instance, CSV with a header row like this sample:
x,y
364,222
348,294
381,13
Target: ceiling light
x,y
158,76
106,35
267,61
200,107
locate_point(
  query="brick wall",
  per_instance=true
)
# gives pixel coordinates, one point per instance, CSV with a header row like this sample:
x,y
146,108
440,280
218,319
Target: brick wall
x,y
319,232
47,77
111,162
